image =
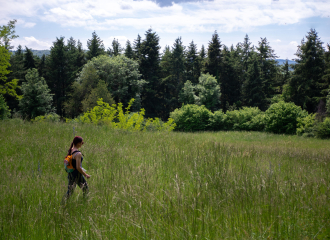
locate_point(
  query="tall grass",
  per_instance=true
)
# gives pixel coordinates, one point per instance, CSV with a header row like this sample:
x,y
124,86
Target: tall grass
x,y
151,185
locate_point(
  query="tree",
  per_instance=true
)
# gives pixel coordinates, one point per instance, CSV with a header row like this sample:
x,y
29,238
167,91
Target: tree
x,y
128,50
214,56
208,91
36,99
101,91
58,76
95,47
137,48
7,87
268,67
150,70
28,59
306,86
193,66
187,95
116,48
253,95
7,33
4,109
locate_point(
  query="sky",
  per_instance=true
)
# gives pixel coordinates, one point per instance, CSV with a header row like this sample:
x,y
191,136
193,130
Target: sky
x,y
283,22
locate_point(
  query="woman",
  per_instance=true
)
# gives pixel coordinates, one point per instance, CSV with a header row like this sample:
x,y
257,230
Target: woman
x,y
77,176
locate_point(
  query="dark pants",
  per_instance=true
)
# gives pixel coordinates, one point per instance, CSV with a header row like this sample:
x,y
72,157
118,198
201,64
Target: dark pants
x,y
74,179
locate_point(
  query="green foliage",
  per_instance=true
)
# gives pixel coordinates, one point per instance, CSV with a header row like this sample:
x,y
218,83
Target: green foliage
x,y
116,49
187,95
283,117
327,103
7,33
208,91
101,91
247,118
323,129
217,121
36,99
50,117
306,125
4,109
115,117
95,47
192,117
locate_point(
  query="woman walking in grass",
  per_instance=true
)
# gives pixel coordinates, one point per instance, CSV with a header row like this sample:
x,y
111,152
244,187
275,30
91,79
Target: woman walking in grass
x,y
78,175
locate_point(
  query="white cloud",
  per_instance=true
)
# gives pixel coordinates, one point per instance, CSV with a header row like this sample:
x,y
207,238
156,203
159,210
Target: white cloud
x,y
277,40
29,24
202,16
31,42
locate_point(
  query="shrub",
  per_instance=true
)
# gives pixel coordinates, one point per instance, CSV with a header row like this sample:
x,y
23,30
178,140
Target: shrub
x,y
4,109
323,129
283,117
114,116
305,125
192,118
50,117
217,120
246,119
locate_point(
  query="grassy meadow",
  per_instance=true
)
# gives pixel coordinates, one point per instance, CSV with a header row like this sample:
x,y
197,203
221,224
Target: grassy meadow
x,y
156,185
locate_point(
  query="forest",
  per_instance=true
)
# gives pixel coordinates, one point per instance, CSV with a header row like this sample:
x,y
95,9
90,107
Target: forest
x,y
71,79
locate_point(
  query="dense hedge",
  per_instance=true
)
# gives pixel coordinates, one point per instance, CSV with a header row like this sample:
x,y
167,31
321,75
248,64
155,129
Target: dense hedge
x,y
281,117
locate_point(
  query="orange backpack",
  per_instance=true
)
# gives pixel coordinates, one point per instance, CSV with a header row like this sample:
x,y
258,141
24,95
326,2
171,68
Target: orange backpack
x,y
68,163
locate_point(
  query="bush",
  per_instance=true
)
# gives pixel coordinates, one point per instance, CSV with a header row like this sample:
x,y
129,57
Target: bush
x,y
4,109
50,117
323,129
246,119
114,116
283,117
305,126
217,120
192,118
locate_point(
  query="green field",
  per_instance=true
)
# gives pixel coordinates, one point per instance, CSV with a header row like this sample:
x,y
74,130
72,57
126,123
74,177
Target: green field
x,y
156,185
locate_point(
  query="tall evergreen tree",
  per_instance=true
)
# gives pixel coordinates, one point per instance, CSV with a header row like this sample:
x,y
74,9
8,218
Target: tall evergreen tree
x,y
137,48
247,49
202,62
36,99
214,56
150,70
326,76
81,57
253,94
42,65
128,50
28,59
58,77
193,66
116,49
306,84
268,67
95,46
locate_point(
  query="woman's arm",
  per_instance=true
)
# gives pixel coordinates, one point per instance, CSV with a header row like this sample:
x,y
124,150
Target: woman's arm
x,y
78,165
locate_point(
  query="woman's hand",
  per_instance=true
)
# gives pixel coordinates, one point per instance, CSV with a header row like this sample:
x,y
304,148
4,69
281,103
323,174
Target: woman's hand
x,y
87,176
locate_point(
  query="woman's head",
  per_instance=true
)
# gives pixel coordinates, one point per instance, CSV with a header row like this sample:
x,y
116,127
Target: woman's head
x,y
77,142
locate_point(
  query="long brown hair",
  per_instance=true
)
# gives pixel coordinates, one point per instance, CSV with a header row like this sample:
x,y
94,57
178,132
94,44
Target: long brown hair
x,y
75,141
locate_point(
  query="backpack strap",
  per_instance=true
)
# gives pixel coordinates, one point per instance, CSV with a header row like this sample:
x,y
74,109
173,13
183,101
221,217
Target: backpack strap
x,y
76,152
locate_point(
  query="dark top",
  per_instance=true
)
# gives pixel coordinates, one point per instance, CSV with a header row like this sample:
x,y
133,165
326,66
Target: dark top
x,y
75,172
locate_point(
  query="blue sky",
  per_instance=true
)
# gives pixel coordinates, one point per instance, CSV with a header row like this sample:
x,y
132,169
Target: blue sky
x,y
283,22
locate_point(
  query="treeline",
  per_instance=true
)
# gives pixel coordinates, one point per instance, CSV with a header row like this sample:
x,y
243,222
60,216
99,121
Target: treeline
x,y
217,76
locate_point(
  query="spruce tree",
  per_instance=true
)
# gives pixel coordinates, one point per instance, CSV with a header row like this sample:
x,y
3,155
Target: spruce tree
x,y
252,91
95,46
42,66
28,59
306,86
193,67
81,57
128,50
58,76
137,48
150,70
36,99
115,50
214,56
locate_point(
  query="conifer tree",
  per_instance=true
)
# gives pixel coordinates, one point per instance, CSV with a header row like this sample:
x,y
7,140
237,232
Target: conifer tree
x,y
115,50
128,50
81,57
214,56
193,66
253,95
306,86
42,66
137,48
95,47
150,70
28,59
58,78
36,99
